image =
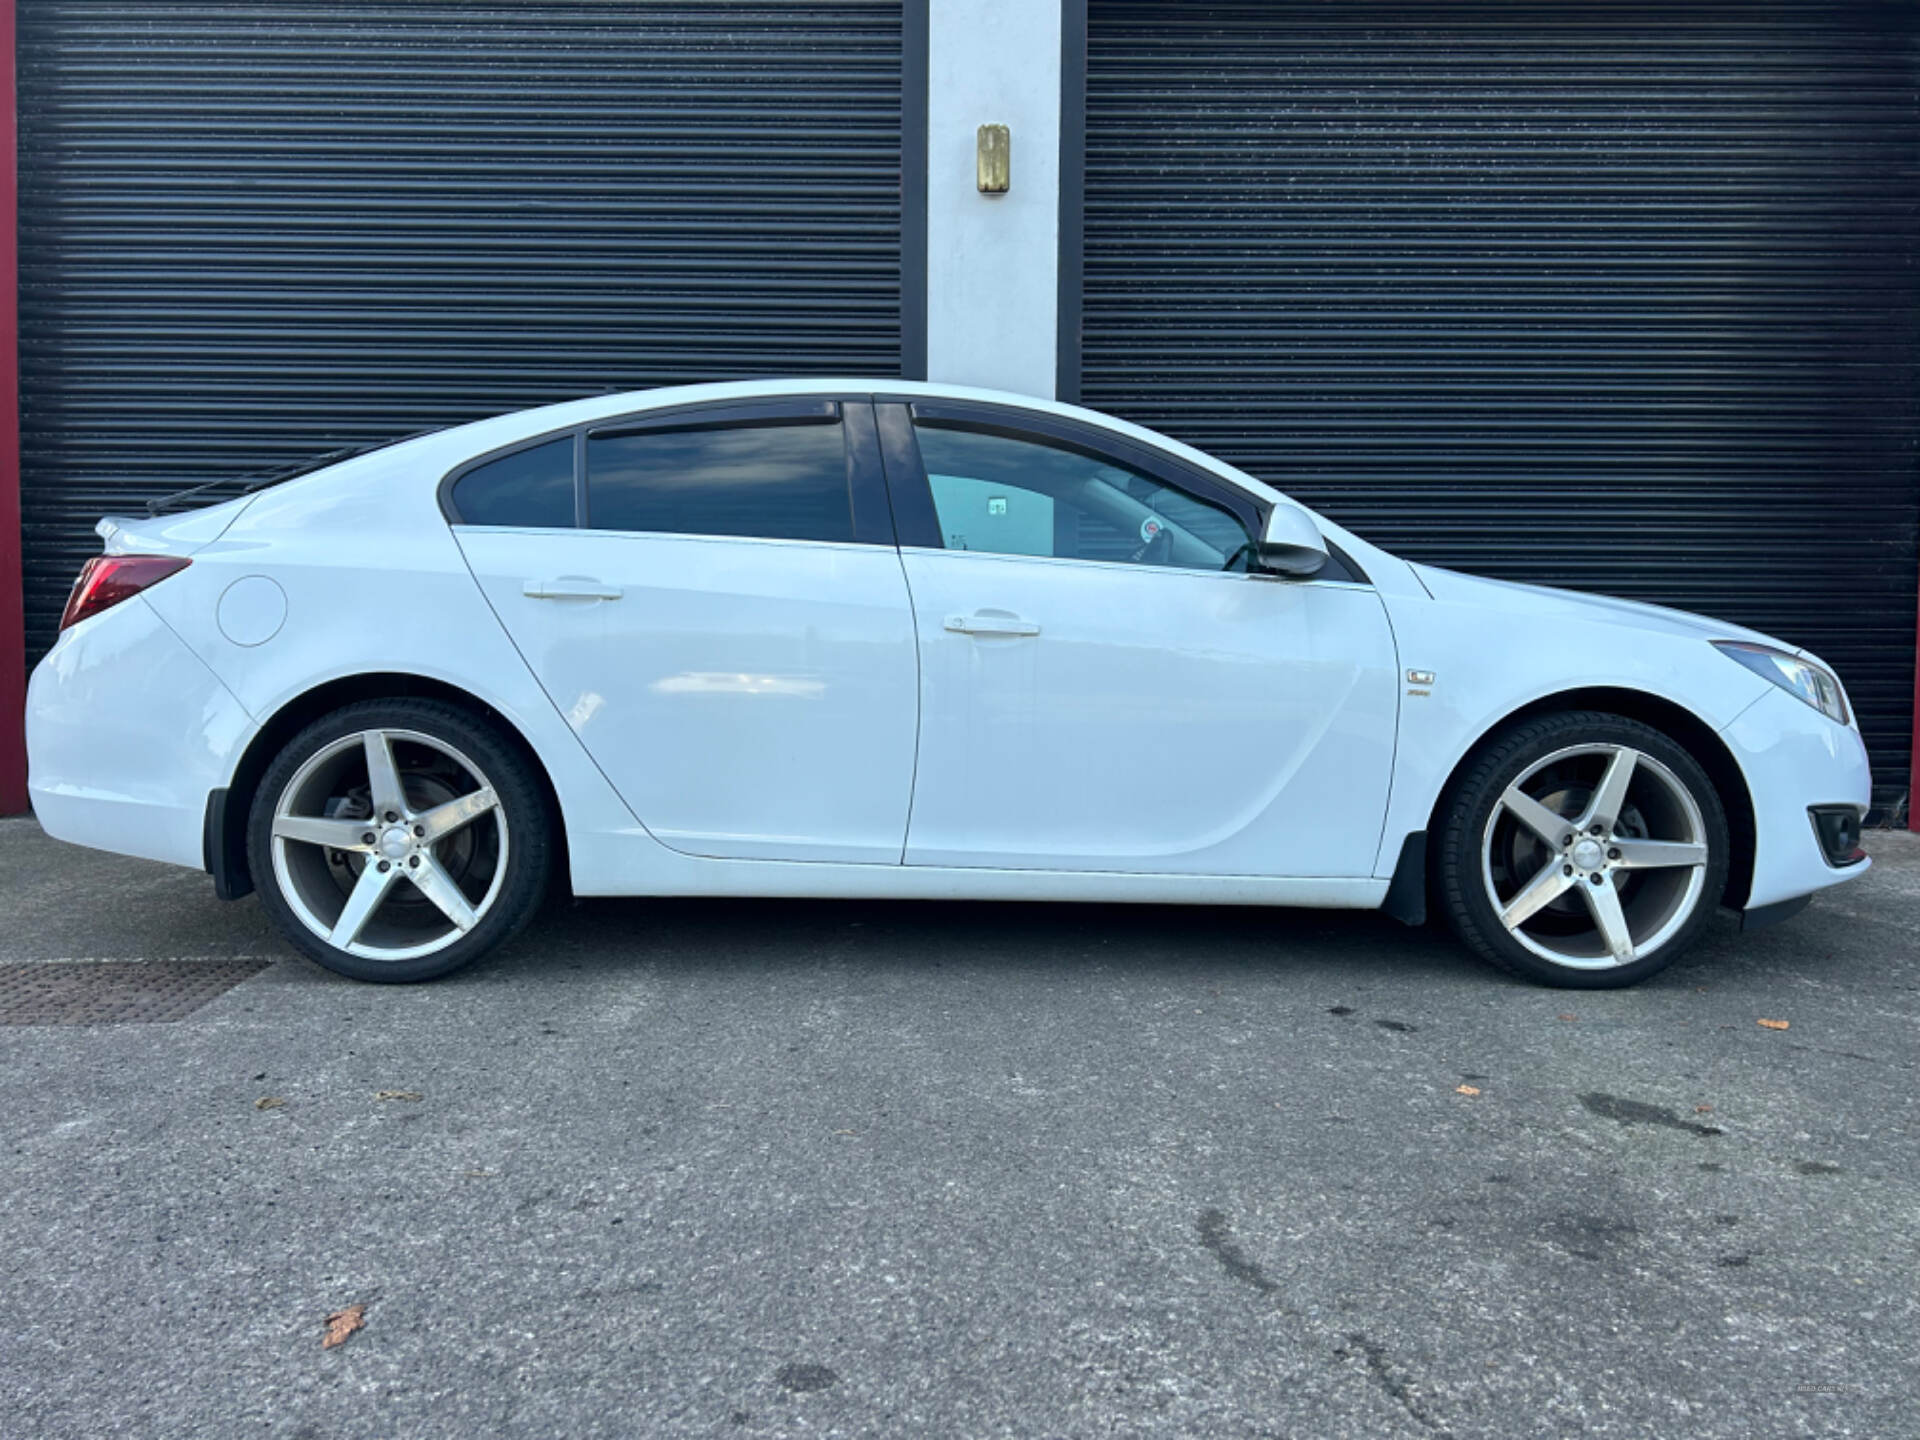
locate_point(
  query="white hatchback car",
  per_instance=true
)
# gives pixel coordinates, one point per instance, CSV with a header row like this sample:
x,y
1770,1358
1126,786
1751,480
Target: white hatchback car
x,y
872,638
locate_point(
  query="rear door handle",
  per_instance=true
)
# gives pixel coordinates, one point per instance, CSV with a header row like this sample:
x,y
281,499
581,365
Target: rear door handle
x,y
992,625
571,587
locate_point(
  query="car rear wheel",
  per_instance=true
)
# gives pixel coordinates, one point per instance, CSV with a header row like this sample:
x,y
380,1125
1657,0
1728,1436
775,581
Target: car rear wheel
x,y
398,840
1583,850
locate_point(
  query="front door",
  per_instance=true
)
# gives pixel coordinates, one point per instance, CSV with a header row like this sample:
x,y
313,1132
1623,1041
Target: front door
x,y
737,662
1106,686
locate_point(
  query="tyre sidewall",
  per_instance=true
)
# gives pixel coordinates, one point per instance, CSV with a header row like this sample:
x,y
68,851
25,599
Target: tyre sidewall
x,y
1471,805
521,798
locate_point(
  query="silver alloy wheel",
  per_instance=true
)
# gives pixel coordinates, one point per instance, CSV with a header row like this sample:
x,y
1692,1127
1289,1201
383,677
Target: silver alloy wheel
x,y
1595,857
376,808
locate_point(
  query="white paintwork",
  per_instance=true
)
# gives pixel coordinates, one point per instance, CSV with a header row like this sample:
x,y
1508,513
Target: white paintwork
x,y
127,732
376,584
251,610
993,260
169,535
1496,647
139,712
1790,765
1152,720
667,872
747,698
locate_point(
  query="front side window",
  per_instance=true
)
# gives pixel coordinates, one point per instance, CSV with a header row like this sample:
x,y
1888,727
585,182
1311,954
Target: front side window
x,y
1012,496
770,480
531,487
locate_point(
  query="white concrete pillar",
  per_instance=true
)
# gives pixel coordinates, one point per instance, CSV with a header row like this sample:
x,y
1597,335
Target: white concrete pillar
x,y
993,260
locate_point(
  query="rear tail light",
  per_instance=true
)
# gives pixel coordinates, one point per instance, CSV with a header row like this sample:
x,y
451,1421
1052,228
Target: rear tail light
x,y
106,580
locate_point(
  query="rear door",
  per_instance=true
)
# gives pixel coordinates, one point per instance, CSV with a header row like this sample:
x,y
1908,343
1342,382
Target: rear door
x,y
727,629
1105,683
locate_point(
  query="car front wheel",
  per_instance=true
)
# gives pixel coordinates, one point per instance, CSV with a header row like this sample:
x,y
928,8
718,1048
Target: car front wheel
x,y
1583,850
398,840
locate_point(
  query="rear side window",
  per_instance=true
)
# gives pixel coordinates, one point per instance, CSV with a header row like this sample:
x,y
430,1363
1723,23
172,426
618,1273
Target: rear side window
x,y
532,487
772,480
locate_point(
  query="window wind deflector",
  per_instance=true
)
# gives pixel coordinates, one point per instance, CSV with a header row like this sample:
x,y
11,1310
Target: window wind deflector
x,y
998,416
1034,426
711,417
944,410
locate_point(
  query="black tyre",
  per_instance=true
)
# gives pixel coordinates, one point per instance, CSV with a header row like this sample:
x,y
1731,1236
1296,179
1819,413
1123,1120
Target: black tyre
x,y
1581,849
398,840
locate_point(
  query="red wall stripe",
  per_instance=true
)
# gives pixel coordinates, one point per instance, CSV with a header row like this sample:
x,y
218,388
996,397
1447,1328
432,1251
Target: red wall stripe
x,y
13,632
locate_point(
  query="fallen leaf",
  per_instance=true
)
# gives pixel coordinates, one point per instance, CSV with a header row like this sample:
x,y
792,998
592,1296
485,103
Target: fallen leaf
x,y
1703,1109
268,1102
1465,1090
1565,1017
397,1095
1773,1024
342,1323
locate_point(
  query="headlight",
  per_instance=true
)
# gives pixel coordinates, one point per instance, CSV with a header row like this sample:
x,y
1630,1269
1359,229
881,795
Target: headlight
x,y
1818,687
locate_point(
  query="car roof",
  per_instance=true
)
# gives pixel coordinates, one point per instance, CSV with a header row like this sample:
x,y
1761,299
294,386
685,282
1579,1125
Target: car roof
x,y
504,430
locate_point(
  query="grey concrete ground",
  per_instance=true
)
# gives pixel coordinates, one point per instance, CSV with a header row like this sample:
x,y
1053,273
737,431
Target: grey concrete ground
x,y
844,1169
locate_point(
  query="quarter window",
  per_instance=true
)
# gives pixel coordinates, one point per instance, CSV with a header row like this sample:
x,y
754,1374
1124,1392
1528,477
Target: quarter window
x,y
1020,497
531,487
774,480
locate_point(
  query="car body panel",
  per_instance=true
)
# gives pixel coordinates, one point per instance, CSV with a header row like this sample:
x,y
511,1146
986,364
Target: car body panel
x,y
1512,598
129,731
1159,720
169,534
656,870
1491,653
374,583
372,580
749,699
1791,765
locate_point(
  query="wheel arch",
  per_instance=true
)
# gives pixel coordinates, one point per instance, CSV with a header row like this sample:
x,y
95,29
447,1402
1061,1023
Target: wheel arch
x,y
226,837
1667,716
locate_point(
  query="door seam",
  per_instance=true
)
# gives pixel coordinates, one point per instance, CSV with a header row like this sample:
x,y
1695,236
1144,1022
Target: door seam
x,y
919,703
545,694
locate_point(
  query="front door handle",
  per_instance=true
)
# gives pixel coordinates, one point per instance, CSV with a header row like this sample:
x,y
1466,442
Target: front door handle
x,y
571,587
992,625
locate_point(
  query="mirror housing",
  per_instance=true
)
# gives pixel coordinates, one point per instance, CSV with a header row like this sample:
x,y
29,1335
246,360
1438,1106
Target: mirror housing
x,y
1291,544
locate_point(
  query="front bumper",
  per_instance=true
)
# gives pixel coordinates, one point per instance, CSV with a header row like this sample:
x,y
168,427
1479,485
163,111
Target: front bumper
x,y
1795,759
128,732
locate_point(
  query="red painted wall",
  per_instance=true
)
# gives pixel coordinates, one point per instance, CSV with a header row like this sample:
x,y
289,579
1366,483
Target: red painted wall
x,y
13,634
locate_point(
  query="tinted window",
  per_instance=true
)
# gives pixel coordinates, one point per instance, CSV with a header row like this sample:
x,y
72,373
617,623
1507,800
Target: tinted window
x,y
772,481
528,487
1020,497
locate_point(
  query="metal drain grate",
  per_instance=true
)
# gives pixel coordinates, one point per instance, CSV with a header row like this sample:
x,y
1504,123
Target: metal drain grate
x,y
115,992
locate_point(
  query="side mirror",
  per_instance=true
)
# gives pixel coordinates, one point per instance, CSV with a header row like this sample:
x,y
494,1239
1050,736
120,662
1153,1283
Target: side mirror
x,y
1291,543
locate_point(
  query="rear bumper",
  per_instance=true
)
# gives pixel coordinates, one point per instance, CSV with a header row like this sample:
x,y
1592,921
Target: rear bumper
x,y
128,732
1794,759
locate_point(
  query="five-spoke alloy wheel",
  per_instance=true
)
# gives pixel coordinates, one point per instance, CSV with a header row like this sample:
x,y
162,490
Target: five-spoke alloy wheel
x,y
397,840
1583,850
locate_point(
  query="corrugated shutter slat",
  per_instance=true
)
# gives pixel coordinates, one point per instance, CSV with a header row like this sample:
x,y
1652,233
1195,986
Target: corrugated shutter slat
x,y
251,233
1623,300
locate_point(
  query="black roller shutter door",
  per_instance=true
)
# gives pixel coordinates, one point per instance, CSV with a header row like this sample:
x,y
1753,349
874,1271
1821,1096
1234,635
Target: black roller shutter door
x,y
253,232
1613,299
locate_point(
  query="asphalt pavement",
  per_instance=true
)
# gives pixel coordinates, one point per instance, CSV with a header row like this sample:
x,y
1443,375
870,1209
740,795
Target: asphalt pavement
x,y
782,1168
